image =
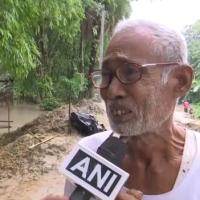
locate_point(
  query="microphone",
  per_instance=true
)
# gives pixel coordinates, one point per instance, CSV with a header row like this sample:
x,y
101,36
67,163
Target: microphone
x,y
97,173
113,150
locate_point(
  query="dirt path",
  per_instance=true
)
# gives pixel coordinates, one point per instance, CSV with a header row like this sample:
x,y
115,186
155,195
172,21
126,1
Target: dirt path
x,y
37,173
186,119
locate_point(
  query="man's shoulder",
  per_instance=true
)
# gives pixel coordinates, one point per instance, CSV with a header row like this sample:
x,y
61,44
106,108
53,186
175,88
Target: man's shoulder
x,y
194,132
196,135
95,140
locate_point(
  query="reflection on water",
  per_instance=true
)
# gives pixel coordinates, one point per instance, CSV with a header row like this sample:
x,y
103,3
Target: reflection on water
x,y
19,114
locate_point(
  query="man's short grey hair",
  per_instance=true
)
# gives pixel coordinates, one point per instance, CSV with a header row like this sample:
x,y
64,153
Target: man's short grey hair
x,y
167,43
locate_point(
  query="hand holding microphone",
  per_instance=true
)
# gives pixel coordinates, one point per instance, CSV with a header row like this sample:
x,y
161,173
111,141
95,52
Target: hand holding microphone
x,y
113,150
96,174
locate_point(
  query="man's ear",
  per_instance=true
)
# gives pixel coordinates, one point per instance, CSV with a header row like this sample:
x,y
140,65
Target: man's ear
x,y
183,76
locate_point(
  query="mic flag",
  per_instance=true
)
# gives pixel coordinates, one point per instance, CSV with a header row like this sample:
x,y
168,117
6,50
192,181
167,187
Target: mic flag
x,y
93,172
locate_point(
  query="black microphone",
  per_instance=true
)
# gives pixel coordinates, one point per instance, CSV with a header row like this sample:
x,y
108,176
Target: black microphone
x,y
113,150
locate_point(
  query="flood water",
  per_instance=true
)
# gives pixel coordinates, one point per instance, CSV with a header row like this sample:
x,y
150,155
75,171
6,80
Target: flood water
x,y
20,114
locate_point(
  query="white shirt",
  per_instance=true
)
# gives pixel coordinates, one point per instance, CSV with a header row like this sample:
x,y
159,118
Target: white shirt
x,y
187,183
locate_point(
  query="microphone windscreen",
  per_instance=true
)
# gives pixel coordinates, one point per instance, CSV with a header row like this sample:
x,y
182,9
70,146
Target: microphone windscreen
x,y
113,150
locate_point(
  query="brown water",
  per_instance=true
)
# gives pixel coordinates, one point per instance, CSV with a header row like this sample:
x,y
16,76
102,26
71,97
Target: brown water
x,y
20,114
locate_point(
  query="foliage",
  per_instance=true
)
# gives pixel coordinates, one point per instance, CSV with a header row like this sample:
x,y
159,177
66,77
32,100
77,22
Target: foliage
x,y
71,89
116,9
33,88
18,51
24,26
192,35
49,47
196,110
49,103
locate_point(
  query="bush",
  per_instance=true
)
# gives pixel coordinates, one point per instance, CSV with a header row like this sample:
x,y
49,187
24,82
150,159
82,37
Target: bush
x,y
71,89
49,103
196,110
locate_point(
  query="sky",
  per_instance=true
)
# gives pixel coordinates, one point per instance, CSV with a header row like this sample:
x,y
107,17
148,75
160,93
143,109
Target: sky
x,y
173,13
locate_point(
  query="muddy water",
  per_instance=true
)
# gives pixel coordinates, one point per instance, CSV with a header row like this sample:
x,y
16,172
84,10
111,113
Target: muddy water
x,y
20,114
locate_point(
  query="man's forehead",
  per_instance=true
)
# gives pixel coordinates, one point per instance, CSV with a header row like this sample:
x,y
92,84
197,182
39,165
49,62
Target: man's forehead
x,y
116,56
133,46
129,37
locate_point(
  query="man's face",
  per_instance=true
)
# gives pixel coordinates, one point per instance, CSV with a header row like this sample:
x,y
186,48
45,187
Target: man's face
x,y
140,107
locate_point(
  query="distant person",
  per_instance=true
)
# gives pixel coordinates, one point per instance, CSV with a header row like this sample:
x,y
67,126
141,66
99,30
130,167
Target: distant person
x,y
186,106
144,72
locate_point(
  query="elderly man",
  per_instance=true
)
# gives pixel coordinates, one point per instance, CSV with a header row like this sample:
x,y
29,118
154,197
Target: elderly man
x,y
143,74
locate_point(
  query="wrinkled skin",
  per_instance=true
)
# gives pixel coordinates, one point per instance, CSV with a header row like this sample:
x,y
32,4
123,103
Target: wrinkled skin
x,y
145,104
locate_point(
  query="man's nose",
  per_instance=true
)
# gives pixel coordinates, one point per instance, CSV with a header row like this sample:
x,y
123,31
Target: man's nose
x,y
116,89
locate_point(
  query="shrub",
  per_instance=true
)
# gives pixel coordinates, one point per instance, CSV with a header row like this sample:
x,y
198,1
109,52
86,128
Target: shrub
x,y
196,110
49,103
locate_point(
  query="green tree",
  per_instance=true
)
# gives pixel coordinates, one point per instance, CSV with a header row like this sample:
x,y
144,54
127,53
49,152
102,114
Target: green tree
x,y
31,31
192,34
90,28
47,45
18,51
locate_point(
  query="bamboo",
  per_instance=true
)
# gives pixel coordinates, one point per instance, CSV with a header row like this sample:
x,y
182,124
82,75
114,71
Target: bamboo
x,y
35,145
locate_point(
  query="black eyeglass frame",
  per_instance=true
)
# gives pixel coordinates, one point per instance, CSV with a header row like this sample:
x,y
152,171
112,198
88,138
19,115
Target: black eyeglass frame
x,y
140,68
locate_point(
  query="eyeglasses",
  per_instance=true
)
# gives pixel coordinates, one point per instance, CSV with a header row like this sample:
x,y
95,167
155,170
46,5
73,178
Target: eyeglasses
x,y
127,73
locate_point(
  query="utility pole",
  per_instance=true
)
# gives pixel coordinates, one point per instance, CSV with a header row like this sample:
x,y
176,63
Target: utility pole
x,y
95,92
103,14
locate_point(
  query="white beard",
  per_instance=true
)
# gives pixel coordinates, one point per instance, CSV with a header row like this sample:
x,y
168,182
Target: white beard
x,y
150,117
